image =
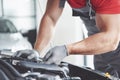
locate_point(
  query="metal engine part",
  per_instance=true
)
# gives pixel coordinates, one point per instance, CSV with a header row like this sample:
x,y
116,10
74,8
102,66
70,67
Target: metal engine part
x,y
16,68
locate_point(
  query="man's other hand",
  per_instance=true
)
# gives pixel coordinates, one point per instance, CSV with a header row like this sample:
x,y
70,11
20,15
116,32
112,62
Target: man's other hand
x,y
56,55
27,54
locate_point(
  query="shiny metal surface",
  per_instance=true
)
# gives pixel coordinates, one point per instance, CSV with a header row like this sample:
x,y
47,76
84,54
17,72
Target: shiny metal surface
x,y
10,38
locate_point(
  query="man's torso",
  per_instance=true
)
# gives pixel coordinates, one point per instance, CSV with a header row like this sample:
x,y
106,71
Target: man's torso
x,y
103,7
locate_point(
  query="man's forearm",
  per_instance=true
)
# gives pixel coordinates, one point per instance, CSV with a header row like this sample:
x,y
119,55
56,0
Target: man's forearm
x,y
45,33
105,41
96,44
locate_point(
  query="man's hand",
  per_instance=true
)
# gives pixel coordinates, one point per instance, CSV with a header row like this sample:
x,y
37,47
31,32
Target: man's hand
x,y
56,55
27,54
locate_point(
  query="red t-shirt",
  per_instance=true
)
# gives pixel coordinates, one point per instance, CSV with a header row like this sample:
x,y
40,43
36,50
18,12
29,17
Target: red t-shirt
x,y
100,6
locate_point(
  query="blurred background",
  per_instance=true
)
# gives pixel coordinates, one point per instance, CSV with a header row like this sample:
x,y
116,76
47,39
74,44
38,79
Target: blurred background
x,y
19,24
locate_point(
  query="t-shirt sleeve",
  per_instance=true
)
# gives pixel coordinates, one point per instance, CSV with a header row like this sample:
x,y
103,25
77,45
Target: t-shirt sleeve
x,y
106,6
77,3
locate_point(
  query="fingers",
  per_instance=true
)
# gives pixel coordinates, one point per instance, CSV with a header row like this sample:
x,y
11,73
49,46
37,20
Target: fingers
x,y
22,53
48,56
52,61
28,54
31,56
17,54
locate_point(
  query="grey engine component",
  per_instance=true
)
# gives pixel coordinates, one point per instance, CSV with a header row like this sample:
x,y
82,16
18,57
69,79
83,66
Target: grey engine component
x,y
15,68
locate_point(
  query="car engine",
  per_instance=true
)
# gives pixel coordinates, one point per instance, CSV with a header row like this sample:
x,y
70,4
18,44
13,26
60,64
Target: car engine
x,y
16,68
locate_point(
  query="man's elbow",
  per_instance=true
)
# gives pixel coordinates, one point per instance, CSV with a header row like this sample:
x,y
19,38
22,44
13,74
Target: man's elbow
x,y
113,47
114,44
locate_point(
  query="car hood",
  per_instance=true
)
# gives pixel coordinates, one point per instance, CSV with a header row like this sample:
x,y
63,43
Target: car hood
x,y
7,40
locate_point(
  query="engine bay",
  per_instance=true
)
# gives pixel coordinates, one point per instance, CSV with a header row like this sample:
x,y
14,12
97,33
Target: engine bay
x,y
15,68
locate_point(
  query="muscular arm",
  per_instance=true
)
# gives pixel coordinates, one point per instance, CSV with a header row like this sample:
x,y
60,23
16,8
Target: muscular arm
x,y
105,41
48,22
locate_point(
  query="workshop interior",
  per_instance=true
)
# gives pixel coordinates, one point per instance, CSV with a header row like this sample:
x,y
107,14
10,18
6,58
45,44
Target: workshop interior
x,y
19,24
